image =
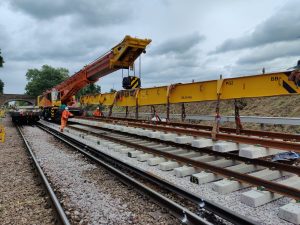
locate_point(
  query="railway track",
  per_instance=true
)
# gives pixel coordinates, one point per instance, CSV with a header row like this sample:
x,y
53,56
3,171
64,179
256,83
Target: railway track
x,y
180,212
273,135
137,142
207,208
61,216
272,140
250,176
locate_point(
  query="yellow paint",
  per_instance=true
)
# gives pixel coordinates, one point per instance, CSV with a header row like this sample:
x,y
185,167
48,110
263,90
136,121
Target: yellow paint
x,y
264,85
134,46
2,113
2,134
126,98
153,96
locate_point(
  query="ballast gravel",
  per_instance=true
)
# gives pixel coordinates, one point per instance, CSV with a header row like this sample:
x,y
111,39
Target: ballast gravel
x,y
22,198
88,193
265,214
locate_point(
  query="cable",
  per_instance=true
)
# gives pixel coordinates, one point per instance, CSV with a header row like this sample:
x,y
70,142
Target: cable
x,y
140,66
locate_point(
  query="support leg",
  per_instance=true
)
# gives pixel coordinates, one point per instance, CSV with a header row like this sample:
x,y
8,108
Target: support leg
x,y
183,115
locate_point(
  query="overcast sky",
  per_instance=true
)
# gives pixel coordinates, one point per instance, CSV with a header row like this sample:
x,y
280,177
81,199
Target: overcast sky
x,y
191,40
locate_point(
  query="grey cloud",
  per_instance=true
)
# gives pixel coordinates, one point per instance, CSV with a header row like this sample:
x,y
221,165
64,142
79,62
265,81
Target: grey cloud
x,y
73,46
42,9
275,65
175,71
284,25
3,36
174,55
271,52
13,76
89,13
180,75
178,45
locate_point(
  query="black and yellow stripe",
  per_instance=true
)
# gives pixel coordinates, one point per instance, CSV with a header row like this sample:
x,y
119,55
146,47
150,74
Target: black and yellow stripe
x,y
288,88
131,82
135,82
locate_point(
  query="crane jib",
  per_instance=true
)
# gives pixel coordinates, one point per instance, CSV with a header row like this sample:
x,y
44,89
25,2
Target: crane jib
x,y
121,56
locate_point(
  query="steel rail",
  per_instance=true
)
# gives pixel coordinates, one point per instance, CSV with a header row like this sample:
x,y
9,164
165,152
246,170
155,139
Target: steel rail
x,y
285,145
244,119
177,210
213,207
277,135
55,202
283,136
245,178
256,161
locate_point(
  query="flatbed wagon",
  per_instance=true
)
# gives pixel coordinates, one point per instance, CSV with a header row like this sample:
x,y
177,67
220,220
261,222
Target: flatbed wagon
x,y
25,114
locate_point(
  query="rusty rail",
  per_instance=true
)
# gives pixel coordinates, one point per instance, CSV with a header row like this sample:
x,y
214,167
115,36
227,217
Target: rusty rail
x,y
293,146
211,206
285,145
268,185
256,161
277,135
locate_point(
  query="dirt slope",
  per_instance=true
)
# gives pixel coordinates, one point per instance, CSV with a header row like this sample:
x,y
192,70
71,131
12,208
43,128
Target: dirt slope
x,y
281,106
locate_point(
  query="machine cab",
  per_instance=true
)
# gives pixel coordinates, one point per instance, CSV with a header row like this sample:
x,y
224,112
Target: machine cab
x,y
55,97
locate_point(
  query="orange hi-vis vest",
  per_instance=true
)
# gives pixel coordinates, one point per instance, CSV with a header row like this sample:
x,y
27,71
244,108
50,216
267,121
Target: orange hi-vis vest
x,y
97,113
65,115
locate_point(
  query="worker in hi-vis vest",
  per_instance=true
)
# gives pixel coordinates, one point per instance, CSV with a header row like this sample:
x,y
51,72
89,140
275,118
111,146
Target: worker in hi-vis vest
x,y
97,112
64,118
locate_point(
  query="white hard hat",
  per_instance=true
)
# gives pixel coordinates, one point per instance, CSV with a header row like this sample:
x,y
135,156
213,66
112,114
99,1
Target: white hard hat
x,y
67,108
98,108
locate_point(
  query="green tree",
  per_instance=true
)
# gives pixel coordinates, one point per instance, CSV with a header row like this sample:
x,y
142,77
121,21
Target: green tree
x,y
44,79
1,86
112,90
90,89
1,60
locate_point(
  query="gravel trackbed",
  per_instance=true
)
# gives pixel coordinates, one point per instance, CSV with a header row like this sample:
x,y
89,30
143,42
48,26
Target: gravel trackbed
x,y
22,199
89,194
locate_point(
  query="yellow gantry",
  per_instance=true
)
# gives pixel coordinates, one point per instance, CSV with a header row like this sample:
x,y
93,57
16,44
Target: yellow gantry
x,y
263,85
